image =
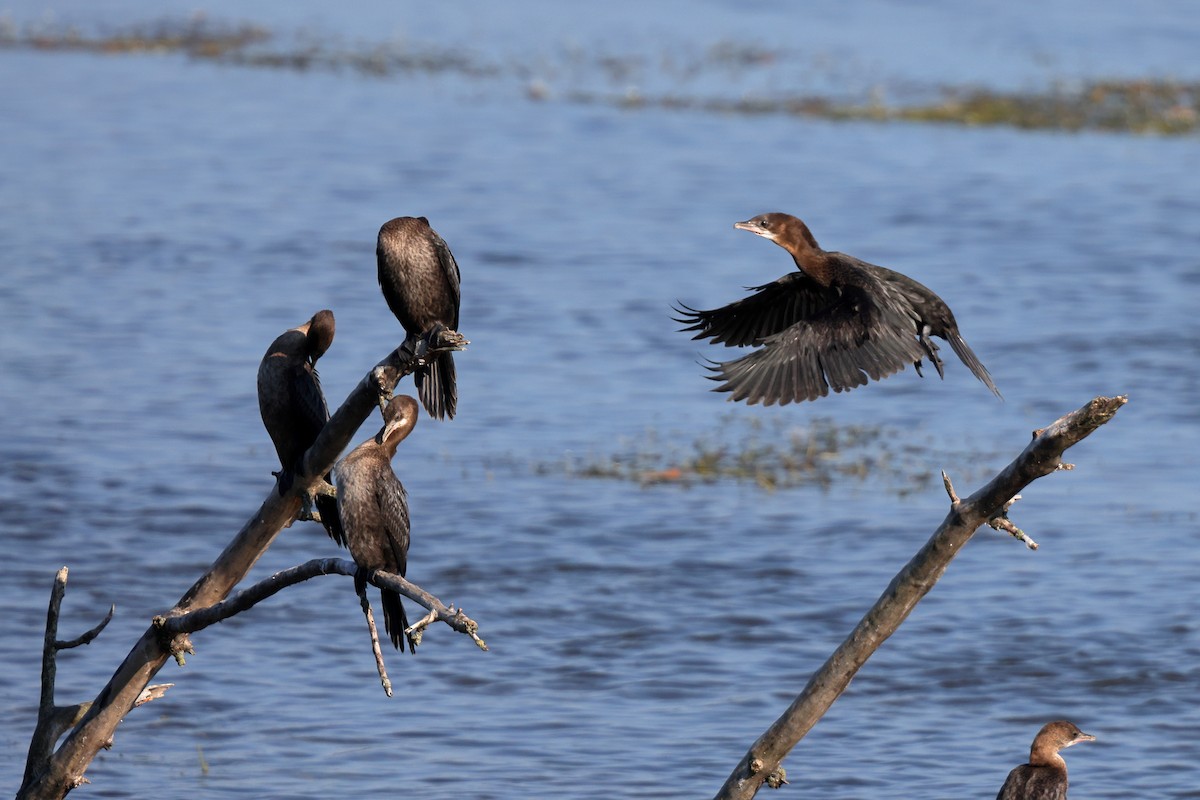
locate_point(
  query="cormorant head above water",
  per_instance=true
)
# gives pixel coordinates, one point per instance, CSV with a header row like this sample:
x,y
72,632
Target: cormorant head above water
x,y
374,510
420,281
836,323
1045,776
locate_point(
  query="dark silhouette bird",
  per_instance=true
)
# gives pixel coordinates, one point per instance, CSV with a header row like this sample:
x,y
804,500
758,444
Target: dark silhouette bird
x,y
1045,776
420,281
293,406
836,323
374,510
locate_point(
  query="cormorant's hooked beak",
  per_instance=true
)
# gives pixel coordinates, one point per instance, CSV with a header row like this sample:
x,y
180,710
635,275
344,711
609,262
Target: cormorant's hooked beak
x,y
1081,737
402,424
757,230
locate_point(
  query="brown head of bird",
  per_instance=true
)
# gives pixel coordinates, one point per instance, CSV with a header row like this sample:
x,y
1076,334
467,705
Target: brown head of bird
x,y
1055,736
318,333
784,230
399,418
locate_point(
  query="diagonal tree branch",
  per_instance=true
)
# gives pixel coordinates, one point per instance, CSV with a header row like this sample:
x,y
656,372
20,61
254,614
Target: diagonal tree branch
x,y
66,767
1043,456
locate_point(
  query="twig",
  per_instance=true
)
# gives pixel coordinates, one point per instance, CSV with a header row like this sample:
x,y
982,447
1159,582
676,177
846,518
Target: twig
x,y
1041,457
178,624
152,693
1000,521
375,649
87,638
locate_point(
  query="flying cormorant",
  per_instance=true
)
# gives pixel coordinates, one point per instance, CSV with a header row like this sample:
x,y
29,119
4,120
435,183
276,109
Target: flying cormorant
x,y
836,323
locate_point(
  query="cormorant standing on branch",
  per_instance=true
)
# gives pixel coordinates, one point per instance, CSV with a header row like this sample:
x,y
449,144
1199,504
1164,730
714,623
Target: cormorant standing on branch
x,y
374,510
293,406
1045,776
836,323
420,281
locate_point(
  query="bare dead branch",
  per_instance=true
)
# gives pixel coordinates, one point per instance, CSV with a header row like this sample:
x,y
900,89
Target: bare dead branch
x,y
1043,456
95,730
201,618
53,721
152,693
87,638
1001,522
376,651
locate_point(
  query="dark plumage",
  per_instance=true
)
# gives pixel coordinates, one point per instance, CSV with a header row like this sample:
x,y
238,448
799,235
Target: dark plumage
x,y
374,510
293,406
420,281
836,323
1045,776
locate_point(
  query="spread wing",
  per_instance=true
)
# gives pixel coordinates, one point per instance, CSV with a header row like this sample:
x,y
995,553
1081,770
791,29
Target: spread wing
x,y
848,342
773,308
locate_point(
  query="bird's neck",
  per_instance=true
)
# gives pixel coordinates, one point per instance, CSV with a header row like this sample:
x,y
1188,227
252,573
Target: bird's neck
x,y
1047,757
812,261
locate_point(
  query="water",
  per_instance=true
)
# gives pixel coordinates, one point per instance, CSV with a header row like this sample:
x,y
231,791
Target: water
x,y
163,220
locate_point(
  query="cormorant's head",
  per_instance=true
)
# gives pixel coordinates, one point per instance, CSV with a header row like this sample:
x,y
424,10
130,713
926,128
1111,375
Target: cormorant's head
x,y
399,418
1061,734
319,334
782,229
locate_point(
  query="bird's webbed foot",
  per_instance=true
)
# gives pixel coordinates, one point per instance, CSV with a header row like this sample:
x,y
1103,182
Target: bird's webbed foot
x,y
440,339
931,351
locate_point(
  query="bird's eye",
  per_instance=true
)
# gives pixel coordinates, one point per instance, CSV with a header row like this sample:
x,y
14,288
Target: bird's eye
x,y
762,223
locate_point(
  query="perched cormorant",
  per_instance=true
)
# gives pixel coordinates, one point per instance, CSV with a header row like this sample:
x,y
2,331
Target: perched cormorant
x,y
374,510
835,323
293,406
420,281
1045,776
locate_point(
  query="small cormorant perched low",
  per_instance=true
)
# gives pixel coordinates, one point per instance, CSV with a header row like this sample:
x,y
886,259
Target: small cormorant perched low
x,y
1045,776
836,323
420,281
293,406
374,510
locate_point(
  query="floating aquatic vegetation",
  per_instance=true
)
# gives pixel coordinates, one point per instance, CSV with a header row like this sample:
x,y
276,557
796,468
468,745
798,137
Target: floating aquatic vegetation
x,y
1156,106
197,36
773,454
1141,106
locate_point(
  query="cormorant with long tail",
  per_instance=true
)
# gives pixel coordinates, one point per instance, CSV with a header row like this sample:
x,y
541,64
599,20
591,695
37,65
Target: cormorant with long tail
x,y
374,510
420,281
834,324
